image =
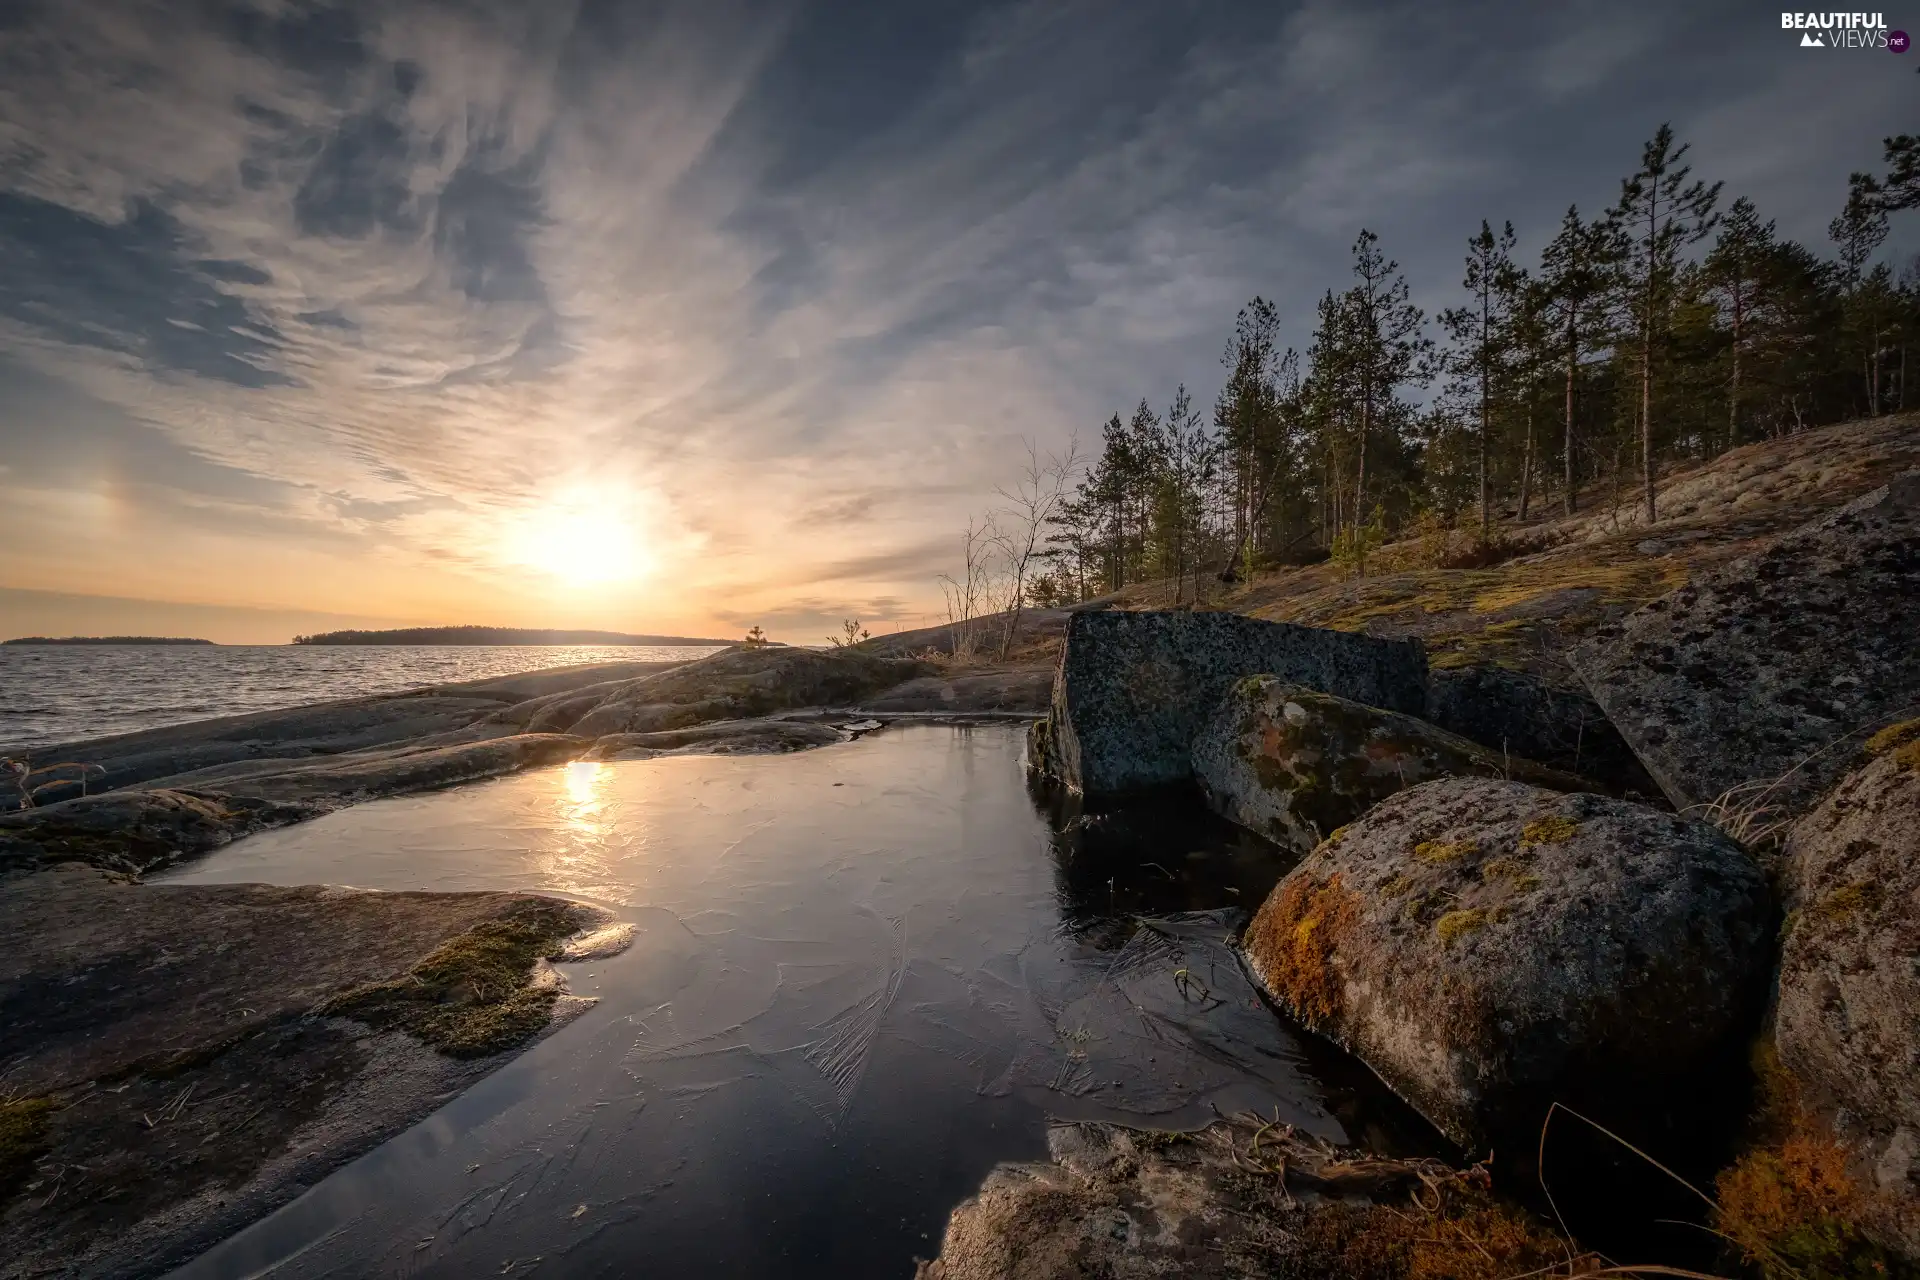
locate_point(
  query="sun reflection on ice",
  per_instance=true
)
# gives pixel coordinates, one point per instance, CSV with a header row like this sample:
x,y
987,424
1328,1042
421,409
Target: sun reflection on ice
x,y
576,857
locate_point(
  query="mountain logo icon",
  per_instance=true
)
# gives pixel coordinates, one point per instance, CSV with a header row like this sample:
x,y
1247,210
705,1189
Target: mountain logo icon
x,y
1808,40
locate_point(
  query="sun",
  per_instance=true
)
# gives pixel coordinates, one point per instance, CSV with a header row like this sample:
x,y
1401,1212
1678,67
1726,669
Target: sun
x,y
583,540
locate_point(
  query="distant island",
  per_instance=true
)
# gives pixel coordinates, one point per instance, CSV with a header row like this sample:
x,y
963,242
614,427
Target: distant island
x,y
497,635
104,640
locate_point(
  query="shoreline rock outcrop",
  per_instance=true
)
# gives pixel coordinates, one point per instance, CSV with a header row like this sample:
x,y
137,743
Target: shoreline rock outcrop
x,y
1751,679
1488,946
1296,765
182,1059
1135,689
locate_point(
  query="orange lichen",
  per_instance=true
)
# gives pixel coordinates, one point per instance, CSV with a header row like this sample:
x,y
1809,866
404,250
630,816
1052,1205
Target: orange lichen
x,y
1293,940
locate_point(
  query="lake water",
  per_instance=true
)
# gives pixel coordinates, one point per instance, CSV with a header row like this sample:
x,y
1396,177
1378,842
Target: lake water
x,y
863,975
62,693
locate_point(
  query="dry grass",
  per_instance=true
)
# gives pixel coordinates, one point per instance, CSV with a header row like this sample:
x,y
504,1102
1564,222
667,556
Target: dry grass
x,y
1790,1204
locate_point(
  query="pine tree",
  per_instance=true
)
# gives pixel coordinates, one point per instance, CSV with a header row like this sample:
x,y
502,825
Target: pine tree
x,y
1480,338
1734,272
1858,233
1577,269
1660,213
1386,347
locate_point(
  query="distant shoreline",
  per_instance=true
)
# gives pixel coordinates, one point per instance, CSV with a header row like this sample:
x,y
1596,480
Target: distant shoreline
x,y
502,636
103,640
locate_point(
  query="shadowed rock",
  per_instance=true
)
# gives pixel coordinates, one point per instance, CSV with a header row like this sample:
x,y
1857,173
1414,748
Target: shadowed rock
x,y
1753,676
1520,713
1848,1024
1295,764
724,737
1135,688
1489,946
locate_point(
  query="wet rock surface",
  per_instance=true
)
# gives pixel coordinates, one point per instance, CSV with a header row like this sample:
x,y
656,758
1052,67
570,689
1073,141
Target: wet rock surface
x,y
1752,676
1848,1020
195,1055
1241,1198
1295,764
1136,688
1487,946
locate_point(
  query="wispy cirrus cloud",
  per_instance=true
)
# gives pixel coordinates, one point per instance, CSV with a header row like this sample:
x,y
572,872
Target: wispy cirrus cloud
x,y
331,299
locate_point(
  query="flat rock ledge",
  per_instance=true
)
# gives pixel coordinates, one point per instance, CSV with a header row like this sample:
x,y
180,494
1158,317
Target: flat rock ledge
x,y
1488,947
1750,682
182,1059
1244,1199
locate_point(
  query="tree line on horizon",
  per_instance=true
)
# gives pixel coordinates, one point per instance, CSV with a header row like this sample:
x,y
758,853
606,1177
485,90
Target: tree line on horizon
x,y
1664,330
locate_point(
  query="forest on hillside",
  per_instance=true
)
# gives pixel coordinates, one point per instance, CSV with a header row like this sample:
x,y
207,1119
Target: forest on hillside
x,y
1664,330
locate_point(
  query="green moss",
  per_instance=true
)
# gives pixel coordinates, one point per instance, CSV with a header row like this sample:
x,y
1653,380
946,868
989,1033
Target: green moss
x,y
1863,895
1396,887
1455,925
1438,851
1552,829
472,996
23,1140
1512,870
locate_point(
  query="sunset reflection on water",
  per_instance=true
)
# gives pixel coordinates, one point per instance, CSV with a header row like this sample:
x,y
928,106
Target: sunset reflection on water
x,y
576,855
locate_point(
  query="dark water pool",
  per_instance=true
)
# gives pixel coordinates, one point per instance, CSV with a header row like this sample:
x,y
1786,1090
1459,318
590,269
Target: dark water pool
x,y
863,976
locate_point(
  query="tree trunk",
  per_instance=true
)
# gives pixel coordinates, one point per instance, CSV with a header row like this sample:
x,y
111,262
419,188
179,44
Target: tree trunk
x,y
1526,459
1646,362
1573,366
1733,387
1486,502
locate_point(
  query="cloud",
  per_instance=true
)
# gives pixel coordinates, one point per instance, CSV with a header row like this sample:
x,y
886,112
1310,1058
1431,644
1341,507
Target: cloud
x,y
355,287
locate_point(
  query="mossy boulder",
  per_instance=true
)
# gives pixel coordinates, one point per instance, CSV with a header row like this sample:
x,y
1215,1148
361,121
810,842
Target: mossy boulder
x,y
1135,689
1295,764
1848,1025
1489,946
1747,677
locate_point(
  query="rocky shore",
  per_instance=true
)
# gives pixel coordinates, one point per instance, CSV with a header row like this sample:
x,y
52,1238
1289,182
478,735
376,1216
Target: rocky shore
x,y
1716,938
1655,865
177,1061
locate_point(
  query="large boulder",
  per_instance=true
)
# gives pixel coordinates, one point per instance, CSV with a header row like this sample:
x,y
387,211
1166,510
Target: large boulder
x,y
1488,946
1135,688
1295,764
1743,678
1848,1023
1555,722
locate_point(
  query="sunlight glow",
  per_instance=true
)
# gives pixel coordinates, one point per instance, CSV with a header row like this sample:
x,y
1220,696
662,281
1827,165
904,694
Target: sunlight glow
x,y
581,540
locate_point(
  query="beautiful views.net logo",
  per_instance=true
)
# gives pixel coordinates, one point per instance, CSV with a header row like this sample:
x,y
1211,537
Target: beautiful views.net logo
x,y
1844,31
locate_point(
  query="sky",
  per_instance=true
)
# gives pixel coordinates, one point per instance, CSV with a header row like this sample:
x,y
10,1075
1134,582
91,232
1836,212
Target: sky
x,y
686,317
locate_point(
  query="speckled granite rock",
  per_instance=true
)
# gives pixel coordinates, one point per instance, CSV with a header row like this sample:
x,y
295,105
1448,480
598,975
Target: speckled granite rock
x,y
1523,714
1748,672
1488,946
1135,688
1295,764
1848,1024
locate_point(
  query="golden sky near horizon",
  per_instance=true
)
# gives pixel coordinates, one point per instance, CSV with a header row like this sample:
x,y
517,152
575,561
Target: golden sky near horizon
x,y
687,317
